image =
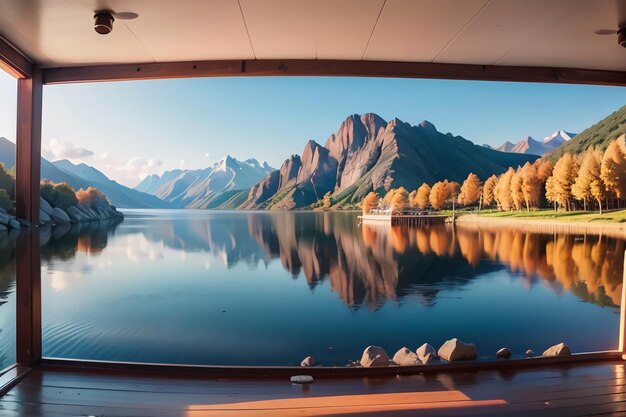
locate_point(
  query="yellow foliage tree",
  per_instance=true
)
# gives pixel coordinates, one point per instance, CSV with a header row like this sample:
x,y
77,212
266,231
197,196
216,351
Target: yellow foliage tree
x,y
438,194
563,177
502,191
516,188
470,190
422,196
326,200
589,182
613,170
488,190
532,183
398,203
370,202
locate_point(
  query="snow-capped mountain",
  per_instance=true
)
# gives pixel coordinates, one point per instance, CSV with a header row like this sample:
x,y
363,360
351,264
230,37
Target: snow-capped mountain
x,y
531,146
198,188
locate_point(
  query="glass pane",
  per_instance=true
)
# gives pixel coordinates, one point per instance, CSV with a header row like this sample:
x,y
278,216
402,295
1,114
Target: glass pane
x,y
223,258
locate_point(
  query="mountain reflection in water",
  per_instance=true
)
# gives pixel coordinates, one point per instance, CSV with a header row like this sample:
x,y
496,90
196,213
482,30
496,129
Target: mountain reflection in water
x,y
370,264
201,287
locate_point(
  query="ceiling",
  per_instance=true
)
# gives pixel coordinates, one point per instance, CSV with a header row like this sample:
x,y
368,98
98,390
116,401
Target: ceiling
x,y
555,33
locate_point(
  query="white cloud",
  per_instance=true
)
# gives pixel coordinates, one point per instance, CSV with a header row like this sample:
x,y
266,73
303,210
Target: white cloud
x,y
66,150
133,170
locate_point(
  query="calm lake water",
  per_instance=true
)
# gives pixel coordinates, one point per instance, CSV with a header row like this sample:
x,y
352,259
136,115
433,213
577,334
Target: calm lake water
x,y
202,287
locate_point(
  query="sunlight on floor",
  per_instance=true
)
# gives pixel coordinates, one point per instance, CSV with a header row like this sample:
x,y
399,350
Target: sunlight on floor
x,y
343,404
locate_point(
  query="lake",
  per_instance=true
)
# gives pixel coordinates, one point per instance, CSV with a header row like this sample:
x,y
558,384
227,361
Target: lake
x,y
269,288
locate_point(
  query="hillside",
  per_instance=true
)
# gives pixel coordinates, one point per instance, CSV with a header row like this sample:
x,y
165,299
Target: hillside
x,y
600,134
368,153
82,176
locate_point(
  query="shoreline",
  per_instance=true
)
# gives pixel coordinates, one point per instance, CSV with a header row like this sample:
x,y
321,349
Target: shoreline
x,y
544,225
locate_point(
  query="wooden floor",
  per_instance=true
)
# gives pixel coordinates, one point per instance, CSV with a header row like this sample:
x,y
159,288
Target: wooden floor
x,y
580,390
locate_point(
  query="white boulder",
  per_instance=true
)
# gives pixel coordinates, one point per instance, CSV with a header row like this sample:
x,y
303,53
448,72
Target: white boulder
x,y
405,357
456,350
308,361
426,353
558,350
374,356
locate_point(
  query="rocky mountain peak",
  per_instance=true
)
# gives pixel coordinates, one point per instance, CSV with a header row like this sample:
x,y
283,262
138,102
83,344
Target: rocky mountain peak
x,y
425,124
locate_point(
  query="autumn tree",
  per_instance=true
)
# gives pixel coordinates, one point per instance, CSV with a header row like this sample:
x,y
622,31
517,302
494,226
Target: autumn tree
x,y
411,199
370,202
613,170
453,189
470,190
531,185
422,196
488,190
502,191
588,182
398,203
438,194
563,177
516,188
326,201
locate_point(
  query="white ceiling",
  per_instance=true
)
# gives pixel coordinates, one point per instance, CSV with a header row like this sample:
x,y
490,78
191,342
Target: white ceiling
x,y
558,33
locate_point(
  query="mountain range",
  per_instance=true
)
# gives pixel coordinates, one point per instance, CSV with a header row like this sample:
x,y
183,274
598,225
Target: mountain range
x,y
82,176
368,153
530,146
208,187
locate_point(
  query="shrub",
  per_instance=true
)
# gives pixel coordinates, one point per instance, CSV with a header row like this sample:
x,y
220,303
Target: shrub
x,y
59,195
5,200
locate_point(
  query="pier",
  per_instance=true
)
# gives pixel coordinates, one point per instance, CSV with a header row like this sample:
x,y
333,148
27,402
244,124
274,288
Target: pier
x,y
407,219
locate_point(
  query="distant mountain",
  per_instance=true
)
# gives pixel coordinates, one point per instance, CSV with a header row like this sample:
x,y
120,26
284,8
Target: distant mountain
x,y
600,134
530,146
82,176
368,153
153,182
208,187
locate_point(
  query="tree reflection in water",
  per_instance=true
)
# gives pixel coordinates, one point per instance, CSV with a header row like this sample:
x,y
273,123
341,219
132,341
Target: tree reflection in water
x,y
369,264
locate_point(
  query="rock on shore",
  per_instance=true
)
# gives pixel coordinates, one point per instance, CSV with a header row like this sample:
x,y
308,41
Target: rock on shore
x,y
78,213
455,350
374,356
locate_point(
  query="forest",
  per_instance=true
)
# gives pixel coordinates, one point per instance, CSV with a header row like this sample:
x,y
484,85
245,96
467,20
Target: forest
x,y
593,180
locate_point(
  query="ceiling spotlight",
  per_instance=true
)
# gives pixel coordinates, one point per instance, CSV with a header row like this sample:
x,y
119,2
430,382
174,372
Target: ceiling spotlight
x,y
103,22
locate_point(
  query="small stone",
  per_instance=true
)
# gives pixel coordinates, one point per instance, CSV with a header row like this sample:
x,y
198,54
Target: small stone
x,y
426,353
301,379
404,357
308,361
455,350
374,356
504,353
558,350
530,353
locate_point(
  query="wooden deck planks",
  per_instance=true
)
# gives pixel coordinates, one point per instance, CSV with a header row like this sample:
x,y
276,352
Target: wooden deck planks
x,y
576,390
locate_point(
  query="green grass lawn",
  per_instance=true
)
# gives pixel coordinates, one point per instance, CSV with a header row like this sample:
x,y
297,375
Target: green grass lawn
x,y
614,216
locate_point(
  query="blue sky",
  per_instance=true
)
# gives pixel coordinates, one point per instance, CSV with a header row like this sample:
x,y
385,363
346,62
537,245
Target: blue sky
x,y
131,129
